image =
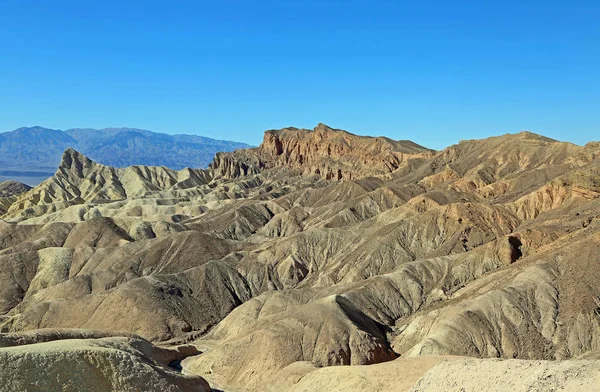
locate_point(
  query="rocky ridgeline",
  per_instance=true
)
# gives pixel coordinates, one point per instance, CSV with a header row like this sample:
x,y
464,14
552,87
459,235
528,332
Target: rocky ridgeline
x,y
333,154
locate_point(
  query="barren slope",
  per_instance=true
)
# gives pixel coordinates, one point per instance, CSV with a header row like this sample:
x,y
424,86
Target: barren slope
x,y
91,361
319,248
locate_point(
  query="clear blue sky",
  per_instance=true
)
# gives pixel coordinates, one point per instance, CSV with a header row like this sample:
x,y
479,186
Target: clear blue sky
x,y
435,72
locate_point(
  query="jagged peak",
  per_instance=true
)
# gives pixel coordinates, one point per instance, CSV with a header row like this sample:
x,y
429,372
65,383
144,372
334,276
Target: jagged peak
x,y
72,158
325,128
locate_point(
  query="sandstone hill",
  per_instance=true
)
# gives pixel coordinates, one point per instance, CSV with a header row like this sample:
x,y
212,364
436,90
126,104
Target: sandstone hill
x,y
75,360
12,188
320,248
9,190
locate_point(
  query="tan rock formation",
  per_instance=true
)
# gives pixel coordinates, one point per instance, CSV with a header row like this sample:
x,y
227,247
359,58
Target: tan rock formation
x,y
331,153
71,362
273,264
12,188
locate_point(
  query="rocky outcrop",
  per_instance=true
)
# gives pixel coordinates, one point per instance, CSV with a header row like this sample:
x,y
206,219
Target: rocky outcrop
x,y
9,190
233,165
12,188
85,362
331,153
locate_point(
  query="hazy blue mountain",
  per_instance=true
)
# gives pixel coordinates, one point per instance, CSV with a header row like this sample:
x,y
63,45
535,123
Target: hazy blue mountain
x,y
123,147
34,148
35,152
40,149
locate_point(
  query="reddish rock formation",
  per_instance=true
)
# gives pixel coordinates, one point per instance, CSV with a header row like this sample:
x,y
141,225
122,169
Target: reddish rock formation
x,y
331,153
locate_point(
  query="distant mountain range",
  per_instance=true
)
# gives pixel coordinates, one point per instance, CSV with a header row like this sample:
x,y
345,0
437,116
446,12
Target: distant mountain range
x,y
38,149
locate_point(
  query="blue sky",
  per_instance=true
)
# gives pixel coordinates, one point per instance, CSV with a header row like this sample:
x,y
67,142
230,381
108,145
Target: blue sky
x,y
431,71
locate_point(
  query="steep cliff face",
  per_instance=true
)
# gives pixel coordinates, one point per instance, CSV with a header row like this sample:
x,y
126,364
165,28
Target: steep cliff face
x,y
233,165
333,154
